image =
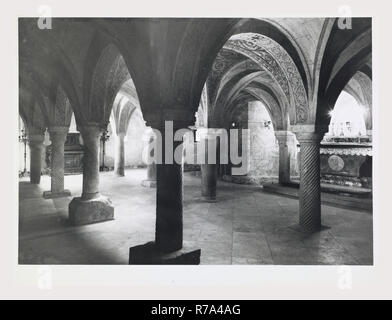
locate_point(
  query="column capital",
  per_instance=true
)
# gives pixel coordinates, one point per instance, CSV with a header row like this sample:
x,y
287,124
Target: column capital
x,y
181,117
322,129
281,135
309,137
91,129
34,131
284,137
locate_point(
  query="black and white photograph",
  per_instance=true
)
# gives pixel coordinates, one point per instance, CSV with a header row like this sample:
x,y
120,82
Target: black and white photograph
x,y
195,141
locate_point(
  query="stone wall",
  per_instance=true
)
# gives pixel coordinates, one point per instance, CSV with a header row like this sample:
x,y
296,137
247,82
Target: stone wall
x,y
264,149
262,146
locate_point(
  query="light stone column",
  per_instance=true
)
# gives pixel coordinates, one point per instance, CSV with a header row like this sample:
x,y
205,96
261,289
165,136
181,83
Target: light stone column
x,y
36,144
309,196
58,136
91,206
91,135
284,138
151,180
209,171
119,160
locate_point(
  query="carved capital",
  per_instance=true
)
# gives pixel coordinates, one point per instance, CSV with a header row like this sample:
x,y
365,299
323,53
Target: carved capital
x,y
58,134
36,140
309,137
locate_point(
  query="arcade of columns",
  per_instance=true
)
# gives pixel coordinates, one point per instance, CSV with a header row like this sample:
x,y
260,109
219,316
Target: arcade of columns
x,y
172,69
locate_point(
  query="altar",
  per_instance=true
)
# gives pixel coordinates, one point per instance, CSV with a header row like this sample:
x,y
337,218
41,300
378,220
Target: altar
x,y
346,161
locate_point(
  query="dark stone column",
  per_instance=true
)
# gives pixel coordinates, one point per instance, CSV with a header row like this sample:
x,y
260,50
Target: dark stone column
x,y
209,171
309,196
119,160
58,136
36,144
284,156
151,180
168,246
168,232
91,206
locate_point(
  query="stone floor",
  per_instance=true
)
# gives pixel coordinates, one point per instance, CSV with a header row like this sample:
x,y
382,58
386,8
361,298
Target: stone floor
x,y
245,226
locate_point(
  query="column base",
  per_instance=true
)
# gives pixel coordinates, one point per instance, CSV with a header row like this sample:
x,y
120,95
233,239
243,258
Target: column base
x,y
149,183
149,254
299,228
56,194
90,211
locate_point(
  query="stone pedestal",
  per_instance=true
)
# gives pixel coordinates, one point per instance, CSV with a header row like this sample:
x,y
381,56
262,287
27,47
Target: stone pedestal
x,y
151,181
91,206
119,160
150,253
57,136
90,211
309,197
284,156
36,152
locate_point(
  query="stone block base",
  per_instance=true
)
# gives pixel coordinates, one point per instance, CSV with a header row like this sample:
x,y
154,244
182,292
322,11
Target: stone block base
x,y
149,183
90,211
56,194
149,254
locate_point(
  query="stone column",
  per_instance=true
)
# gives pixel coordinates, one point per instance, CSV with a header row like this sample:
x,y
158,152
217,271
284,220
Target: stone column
x,y
91,206
209,171
284,137
151,180
168,245
119,161
309,196
58,136
36,144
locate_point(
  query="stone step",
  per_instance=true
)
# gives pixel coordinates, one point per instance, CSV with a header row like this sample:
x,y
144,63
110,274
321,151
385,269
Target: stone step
x,y
332,199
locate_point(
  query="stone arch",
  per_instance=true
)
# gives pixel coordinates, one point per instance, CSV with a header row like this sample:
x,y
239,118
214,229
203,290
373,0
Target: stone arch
x,y
57,107
121,114
108,75
273,58
360,86
276,31
271,104
42,55
258,82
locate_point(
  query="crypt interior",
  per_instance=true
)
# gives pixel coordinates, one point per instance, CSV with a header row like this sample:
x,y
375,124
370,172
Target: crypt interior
x,y
93,92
